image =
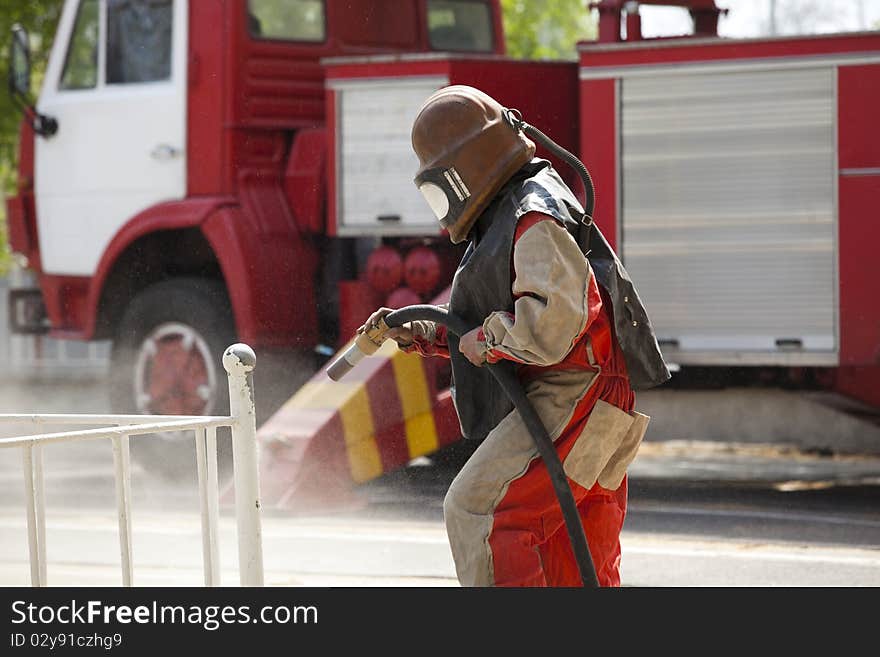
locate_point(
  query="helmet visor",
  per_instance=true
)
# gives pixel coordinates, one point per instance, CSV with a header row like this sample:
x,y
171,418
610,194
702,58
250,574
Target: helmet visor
x,y
445,193
436,198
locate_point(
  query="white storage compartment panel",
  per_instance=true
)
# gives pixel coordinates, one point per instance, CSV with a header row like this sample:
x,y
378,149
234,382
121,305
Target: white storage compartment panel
x,y
728,213
375,163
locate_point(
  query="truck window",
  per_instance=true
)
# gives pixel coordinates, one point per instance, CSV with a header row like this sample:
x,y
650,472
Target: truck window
x,y
460,25
286,20
138,41
81,64
672,21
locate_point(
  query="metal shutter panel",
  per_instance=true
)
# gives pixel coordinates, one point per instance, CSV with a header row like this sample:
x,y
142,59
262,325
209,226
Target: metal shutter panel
x,y
728,212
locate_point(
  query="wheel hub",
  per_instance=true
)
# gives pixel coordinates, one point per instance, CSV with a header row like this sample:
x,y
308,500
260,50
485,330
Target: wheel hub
x,y
174,372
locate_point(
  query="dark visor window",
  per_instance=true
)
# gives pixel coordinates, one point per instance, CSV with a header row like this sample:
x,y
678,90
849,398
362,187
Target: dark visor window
x,y
138,41
460,25
286,20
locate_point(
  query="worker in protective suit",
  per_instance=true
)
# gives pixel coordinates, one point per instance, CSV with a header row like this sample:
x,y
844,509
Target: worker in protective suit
x,y
534,299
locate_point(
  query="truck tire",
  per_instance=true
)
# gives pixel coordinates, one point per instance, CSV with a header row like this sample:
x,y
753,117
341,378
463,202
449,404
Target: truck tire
x,y
166,359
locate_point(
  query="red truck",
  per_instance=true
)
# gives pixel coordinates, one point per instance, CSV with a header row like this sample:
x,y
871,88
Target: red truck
x,y
200,172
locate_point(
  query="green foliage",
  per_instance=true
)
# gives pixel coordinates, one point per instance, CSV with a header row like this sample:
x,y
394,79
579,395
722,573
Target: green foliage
x,y
39,18
546,30
299,20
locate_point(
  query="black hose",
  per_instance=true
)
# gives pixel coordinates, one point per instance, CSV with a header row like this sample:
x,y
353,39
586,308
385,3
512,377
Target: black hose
x,y
514,117
505,374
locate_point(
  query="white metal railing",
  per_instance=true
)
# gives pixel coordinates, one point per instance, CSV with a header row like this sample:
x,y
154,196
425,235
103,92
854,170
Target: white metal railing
x,y
239,361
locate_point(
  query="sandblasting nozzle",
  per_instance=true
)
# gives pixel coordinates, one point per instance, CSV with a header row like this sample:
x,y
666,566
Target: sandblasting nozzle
x,y
365,344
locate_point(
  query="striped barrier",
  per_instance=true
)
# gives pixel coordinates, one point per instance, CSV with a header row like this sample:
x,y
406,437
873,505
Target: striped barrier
x,y
331,436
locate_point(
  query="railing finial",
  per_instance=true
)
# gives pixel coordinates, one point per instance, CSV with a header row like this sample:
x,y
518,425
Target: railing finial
x,y
239,358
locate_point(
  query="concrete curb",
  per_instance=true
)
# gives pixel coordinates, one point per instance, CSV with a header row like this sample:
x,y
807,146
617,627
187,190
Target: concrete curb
x,y
786,466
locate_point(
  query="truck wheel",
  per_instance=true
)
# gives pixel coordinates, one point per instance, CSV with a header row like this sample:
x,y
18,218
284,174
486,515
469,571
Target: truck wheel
x,y
166,360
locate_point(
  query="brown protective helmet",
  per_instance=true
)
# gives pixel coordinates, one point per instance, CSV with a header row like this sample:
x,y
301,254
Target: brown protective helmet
x,y
467,150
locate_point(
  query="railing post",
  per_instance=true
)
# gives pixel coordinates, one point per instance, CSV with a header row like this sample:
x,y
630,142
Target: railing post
x,y
239,361
36,512
122,466
206,456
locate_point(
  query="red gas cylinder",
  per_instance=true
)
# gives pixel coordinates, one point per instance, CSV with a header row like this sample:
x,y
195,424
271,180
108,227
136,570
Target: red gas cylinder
x,y
384,269
421,270
402,296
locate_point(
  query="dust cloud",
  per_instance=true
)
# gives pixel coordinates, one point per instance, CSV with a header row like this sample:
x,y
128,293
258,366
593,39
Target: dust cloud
x,y
80,474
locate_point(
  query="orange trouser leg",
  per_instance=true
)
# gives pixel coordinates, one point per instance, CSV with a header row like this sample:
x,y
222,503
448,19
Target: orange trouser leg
x,y
602,513
529,541
502,516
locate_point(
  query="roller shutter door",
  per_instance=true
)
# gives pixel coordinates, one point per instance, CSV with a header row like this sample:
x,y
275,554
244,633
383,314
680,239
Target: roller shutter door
x,y
728,218
375,162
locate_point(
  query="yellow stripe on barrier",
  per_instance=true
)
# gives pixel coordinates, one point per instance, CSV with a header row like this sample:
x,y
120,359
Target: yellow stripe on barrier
x,y
329,394
364,460
415,402
421,435
360,441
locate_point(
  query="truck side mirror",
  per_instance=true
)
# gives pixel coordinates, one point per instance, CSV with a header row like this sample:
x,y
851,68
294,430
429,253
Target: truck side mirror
x,y
19,82
19,63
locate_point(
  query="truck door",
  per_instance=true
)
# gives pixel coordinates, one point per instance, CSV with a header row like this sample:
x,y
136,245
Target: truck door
x,y
116,83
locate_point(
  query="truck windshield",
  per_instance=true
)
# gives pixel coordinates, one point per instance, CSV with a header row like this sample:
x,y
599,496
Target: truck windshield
x,y
286,20
460,25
